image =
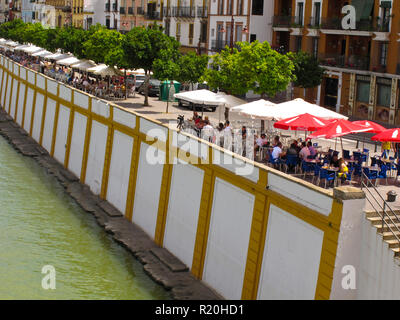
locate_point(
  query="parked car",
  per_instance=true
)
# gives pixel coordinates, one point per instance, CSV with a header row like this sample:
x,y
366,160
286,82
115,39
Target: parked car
x,y
154,87
139,80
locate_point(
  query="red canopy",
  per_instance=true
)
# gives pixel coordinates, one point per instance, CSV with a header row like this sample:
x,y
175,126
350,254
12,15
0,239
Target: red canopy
x,y
392,135
338,128
303,122
375,128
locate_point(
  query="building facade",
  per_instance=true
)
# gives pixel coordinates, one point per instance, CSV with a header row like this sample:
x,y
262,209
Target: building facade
x,y
362,78
62,12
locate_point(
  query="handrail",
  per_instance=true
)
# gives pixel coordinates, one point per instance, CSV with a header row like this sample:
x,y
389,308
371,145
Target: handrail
x,y
385,204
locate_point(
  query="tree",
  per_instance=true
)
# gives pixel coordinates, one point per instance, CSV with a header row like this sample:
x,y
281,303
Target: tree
x,y
308,72
254,67
143,46
192,67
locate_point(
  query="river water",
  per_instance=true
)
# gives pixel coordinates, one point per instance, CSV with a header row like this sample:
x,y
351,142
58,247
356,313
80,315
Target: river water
x,y
41,225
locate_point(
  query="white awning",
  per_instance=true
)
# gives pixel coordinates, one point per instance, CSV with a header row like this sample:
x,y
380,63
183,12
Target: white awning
x,y
68,61
83,65
208,97
57,56
42,53
32,49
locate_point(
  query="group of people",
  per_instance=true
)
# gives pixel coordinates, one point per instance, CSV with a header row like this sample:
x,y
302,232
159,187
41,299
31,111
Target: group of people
x,y
114,86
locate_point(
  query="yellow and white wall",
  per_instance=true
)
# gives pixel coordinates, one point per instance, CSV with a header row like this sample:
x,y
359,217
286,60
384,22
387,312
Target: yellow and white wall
x,y
264,235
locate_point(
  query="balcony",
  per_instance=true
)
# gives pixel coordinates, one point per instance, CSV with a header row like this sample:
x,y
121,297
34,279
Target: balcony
x,y
340,61
183,12
122,10
335,23
315,23
202,12
139,10
282,21
167,12
130,10
152,15
382,25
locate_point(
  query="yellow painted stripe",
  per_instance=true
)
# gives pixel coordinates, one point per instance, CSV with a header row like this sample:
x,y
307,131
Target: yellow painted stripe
x,y
203,224
33,113
164,196
107,160
133,175
86,145
24,106
11,94
5,95
328,254
70,130
43,120
256,243
16,102
54,136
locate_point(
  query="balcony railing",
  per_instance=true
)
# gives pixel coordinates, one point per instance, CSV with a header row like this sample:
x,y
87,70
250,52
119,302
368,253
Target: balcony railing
x,y
130,10
336,24
382,25
202,12
341,61
218,45
167,12
183,12
152,15
282,21
140,10
315,23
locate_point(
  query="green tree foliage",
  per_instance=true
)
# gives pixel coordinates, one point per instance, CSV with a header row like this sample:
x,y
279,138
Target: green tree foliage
x,y
144,46
192,67
254,67
307,70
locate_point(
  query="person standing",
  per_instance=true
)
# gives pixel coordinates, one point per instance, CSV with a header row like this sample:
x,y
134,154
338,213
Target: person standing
x,y
385,149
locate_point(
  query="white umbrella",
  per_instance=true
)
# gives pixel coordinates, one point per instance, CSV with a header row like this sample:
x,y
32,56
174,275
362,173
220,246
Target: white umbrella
x,y
2,40
200,97
83,65
57,56
255,109
68,61
42,53
11,43
104,70
32,49
21,47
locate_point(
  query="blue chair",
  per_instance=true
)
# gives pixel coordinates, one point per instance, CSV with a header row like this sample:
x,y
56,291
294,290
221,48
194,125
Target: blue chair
x,y
371,175
317,171
373,161
346,154
307,167
292,161
356,155
327,176
357,169
383,173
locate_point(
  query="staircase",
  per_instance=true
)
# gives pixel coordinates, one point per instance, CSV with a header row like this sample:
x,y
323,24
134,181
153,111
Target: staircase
x,y
382,216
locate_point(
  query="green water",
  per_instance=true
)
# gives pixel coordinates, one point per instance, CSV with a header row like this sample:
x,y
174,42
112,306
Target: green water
x,y
41,225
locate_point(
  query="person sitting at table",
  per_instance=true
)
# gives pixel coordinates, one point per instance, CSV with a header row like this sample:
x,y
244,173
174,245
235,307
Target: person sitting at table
x,y
277,152
304,152
276,141
343,170
260,142
334,161
310,147
298,148
292,150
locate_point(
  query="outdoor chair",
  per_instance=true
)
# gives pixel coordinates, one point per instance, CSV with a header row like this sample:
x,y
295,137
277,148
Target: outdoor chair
x,y
307,167
383,174
346,154
327,176
371,174
292,161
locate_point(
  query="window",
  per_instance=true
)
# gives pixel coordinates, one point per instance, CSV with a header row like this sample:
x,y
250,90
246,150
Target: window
x,y
253,37
384,52
238,33
298,43
317,14
257,7
167,27
220,7
230,7
191,33
363,88
315,47
384,95
300,12
203,32
240,7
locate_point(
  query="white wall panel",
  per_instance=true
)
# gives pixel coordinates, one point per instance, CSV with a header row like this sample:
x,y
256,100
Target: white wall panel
x,y
28,110
37,118
3,91
153,130
14,98
118,179
8,94
81,100
52,86
228,239
101,108
49,124
124,117
291,258
21,100
62,133
22,73
183,211
40,81
97,148
65,93
147,193
77,144
31,77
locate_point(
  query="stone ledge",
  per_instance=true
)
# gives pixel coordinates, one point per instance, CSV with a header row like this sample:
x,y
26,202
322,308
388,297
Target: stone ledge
x,y
348,193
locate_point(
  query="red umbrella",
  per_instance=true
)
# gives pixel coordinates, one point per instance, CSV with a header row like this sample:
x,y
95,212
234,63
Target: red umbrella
x,y
376,128
338,128
303,122
392,135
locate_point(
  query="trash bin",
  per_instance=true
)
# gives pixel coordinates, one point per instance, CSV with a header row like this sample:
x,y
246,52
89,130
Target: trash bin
x,y
164,89
391,196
